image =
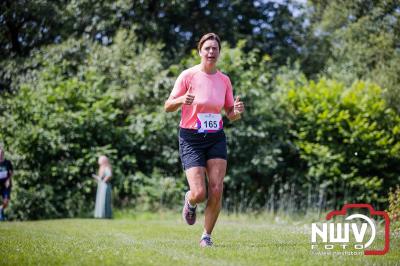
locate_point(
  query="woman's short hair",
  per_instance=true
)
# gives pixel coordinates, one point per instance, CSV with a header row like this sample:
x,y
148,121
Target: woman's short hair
x,y
103,159
206,37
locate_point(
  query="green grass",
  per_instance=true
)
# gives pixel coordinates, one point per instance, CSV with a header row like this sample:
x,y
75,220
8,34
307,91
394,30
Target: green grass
x,y
163,239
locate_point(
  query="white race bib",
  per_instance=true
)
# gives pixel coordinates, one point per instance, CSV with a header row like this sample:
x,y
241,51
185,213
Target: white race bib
x,y
207,122
3,174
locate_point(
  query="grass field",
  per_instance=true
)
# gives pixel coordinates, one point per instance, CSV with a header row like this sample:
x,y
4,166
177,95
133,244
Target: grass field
x,y
163,239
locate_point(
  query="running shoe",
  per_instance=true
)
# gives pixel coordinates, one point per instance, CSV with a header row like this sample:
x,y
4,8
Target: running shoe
x,y
188,213
206,242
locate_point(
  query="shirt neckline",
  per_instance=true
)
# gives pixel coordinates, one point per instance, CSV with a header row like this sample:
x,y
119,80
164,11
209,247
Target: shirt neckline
x,y
205,73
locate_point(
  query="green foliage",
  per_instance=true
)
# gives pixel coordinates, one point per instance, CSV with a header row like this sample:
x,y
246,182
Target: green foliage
x,y
29,25
85,100
394,208
348,140
55,129
363,39
153,192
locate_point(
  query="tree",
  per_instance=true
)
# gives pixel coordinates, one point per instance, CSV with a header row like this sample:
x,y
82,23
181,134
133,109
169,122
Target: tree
x,y
27,25
363,39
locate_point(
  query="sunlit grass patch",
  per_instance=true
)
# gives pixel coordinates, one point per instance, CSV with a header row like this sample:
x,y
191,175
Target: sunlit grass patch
x,y
164,239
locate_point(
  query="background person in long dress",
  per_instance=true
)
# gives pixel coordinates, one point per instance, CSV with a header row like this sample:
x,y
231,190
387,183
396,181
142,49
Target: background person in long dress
x,y
103,196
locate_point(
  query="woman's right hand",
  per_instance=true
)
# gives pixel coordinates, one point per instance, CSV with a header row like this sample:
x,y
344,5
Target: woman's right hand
x,y
172,104
188,98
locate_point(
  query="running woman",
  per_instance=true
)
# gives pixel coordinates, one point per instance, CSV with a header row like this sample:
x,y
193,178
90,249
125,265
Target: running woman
x,y
201,92
6,172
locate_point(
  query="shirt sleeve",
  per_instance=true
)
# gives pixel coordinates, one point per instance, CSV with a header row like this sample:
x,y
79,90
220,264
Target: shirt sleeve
x,y
181,85
229,101
107,172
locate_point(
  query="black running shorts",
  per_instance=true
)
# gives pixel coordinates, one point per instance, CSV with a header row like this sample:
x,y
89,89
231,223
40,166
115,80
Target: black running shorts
x,y
195,149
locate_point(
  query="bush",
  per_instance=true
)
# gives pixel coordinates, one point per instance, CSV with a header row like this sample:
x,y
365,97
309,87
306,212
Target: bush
x,y
84,100
348,140
394,208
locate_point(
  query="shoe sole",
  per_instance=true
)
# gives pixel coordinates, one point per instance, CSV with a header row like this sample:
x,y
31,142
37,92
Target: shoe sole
x,y
183,211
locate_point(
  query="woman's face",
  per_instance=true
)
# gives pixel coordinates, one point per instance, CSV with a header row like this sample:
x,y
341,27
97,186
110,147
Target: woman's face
x,y
102,160
209,52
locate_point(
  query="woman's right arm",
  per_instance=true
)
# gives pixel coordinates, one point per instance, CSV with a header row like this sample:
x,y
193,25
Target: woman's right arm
x,y
181,94
99,174
173,104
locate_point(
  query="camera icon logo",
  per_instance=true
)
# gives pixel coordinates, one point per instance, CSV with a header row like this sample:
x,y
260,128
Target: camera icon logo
x,y
338,234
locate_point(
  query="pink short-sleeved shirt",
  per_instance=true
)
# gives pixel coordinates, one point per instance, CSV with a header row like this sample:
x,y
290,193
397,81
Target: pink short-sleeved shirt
x,y
212,92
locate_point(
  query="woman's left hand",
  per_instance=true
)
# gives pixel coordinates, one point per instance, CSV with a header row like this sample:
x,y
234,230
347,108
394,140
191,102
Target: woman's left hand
x,y
238,107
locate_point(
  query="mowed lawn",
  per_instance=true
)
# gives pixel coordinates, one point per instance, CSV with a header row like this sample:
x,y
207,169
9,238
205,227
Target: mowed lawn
x,y
164,239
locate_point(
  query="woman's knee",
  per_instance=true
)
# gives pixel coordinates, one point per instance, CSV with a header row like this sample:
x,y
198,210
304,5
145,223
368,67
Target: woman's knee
x,y
5,203
216,191
198,194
